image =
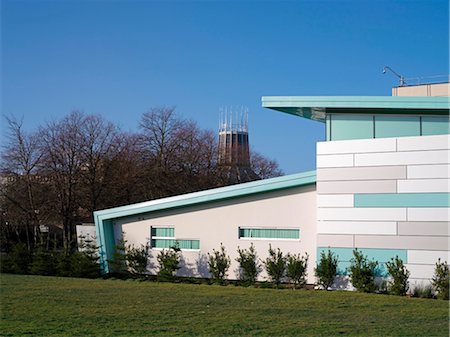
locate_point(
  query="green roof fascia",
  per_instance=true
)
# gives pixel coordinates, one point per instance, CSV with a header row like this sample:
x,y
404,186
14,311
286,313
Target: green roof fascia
x,y
316,107
208,196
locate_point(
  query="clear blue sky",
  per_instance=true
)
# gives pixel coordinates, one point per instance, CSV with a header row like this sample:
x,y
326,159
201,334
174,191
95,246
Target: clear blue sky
x,y
121,58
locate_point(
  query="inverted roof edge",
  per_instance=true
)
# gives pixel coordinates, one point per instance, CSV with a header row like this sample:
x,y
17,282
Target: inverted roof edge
x,y
210,195
419,102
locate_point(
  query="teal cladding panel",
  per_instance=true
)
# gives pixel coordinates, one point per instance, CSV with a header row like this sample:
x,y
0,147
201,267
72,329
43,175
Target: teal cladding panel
x,y
348,126
380,255
435,126
402,200
269,233
396,126
109,243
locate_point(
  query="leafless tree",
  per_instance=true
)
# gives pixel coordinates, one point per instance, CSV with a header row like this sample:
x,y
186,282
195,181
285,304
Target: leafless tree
x,y
100,146
63,162
263,166
20,159
160,128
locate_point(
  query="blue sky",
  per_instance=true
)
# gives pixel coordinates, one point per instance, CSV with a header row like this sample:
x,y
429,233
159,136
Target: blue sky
x,y
121,58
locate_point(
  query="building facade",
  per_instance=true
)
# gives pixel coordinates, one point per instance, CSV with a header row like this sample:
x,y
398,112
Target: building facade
x,y
382,185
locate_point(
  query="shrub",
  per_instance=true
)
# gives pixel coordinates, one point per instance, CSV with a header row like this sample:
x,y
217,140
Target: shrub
x,y
85,262
249,268
296,269
399,284
5,263
218,264
128,259
326,269
362,272
43,263
441,280
169,263
118,263
137,259
20,259
423,291
275,265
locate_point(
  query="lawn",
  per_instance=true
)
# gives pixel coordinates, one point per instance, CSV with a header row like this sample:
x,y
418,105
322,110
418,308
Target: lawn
x,y
52,306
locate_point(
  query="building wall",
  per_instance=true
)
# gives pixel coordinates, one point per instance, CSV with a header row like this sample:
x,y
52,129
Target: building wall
x,y
435,89
388,197
219,222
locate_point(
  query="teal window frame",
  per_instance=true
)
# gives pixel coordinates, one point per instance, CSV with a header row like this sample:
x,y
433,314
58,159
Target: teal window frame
x,y
163,237
261,233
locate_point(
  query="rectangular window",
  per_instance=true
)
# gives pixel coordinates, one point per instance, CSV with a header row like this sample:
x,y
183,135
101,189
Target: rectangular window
x,y
396,126
164,238
348,126
269,233
435,125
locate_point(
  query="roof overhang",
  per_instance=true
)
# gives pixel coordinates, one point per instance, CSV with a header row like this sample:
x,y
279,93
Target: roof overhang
x,y
208,196
316,107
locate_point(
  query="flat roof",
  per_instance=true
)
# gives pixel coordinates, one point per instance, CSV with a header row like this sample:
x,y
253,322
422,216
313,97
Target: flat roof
x,y
316,107
207,196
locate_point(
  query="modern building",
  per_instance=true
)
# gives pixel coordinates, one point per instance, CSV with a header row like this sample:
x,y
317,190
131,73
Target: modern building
x,y
381,185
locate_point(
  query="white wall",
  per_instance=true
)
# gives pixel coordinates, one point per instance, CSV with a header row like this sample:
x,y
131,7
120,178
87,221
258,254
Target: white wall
x,y
218,222
388,166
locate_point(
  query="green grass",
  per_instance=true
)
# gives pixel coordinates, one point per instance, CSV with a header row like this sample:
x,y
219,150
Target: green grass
x,y
52,306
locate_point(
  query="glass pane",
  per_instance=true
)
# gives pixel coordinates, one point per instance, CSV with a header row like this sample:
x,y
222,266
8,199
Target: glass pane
x,y
163,232
163,243
435,125
269,233
351,127
397,126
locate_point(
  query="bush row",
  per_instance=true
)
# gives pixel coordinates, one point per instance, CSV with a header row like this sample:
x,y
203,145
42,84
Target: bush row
x,y
81,263
131,261
362,273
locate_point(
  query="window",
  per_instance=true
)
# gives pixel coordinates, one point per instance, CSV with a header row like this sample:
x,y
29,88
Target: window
x,y
164,238
269,233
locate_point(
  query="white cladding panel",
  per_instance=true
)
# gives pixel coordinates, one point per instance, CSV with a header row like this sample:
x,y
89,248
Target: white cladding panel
x,y
332,200
417,164
440,142
335,160
427,256
354,227
357,146
428,171
423,185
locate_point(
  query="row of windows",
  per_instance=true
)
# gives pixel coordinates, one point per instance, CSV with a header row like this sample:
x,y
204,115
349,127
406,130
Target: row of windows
x,y
183,244
164,237
353,126
269,233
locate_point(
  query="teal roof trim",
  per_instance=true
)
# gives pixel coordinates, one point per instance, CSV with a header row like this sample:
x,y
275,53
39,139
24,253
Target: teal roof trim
x,y
208,196
316,107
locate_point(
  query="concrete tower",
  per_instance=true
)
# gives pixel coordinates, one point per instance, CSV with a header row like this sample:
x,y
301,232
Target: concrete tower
x,y
234,152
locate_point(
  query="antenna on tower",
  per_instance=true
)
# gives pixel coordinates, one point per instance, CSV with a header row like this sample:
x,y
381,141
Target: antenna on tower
x,y
234,152
402,78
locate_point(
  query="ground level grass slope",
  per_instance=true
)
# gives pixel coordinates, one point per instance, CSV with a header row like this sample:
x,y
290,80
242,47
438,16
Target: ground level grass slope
x,y
52,306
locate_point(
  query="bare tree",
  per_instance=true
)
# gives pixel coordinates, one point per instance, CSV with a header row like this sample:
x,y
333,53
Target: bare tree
x,y
21,156
63,162
100,145
263,166
160,128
